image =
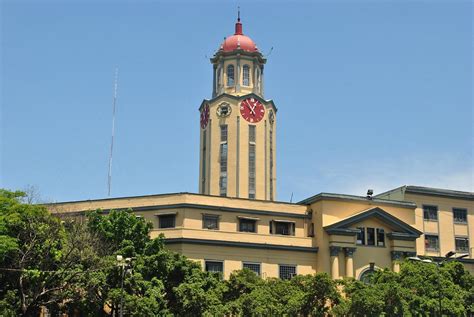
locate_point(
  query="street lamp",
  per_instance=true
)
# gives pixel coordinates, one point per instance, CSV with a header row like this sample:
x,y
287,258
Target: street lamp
x,y
447,257
122,263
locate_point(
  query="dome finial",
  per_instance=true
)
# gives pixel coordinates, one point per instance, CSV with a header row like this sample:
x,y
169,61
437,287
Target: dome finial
x,y
238,25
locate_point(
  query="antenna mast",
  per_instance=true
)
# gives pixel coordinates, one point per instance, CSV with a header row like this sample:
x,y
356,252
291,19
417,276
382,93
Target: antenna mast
x,y
113,131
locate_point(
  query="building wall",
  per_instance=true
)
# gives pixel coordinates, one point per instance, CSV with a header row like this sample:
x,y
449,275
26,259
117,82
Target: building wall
x,y
444,227
234,256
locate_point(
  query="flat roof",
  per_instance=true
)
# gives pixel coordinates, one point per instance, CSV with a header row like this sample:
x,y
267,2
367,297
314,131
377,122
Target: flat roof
x,y
332,196
431,191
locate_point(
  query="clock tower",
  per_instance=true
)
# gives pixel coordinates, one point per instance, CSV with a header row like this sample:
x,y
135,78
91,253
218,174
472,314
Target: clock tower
x,y
238,126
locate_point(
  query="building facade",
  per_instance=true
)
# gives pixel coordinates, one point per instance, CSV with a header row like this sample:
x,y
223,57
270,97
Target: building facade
x,y
236,222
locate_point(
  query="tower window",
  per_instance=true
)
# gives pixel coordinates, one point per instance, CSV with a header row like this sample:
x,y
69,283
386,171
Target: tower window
x,y
223,161
203,166
252,171
246,75
271,163
230,75
251,133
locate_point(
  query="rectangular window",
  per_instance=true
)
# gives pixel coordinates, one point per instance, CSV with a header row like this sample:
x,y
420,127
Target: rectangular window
x,y
370,236
460,215
252,171
380,237
271,162
224,133
287,271
251,133
210,222
215,266
223,161
431,242
167,221
462,244
247,225
430,213
284,228
361,236
255,267
204,153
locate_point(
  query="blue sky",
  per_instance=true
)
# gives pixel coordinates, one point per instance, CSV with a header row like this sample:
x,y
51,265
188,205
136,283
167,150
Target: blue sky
x,y
371,94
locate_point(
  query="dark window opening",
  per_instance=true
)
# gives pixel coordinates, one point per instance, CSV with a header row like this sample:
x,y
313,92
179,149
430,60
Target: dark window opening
x,y
247,225
370,236
214,266
460,215
430,213
210,222
167,221
380,237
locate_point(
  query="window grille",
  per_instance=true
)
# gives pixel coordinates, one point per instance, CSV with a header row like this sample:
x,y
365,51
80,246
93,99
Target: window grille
x,y
370,236
431,242
255,267
462,244
167,221
460,215
252,171
430,213
210,222
287,271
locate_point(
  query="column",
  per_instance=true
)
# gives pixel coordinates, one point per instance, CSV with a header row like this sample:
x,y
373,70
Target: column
x,y
334,252
237,76
396,257
214,81
349,252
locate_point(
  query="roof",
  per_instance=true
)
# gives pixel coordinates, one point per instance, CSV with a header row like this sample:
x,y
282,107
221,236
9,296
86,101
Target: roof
x,y
404,230
238,41
431,191
343,197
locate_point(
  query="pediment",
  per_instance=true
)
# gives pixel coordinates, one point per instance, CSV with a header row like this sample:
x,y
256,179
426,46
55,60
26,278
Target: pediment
x,y
401,229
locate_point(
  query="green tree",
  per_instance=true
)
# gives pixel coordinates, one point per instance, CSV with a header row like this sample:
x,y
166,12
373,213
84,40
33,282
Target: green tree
x,y
41,262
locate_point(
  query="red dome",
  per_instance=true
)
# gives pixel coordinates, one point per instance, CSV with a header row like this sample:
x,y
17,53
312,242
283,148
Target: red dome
x,y
238,41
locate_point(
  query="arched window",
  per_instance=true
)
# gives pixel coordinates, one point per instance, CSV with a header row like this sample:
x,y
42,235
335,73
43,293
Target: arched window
x,y
230,75
246,75
366,275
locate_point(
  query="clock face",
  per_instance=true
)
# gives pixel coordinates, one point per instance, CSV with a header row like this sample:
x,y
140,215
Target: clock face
x,y
252,110
204,116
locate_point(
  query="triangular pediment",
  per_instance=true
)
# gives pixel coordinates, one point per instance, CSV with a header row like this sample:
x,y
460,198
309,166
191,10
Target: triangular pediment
x,y
401,230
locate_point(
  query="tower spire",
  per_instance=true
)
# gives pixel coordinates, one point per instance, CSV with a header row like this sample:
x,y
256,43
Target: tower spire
x,y
238,25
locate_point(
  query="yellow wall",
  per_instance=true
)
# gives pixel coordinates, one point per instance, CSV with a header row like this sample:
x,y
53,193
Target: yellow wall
x,y
445,227
234,256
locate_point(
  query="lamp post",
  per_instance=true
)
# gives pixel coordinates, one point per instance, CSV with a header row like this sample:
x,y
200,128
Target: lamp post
x,y
122,263
447,257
